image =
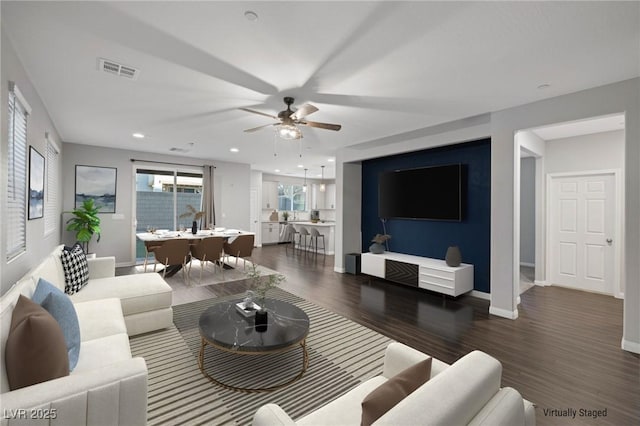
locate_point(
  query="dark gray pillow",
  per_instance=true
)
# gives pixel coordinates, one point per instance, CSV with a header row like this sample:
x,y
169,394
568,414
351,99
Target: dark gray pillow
x,y
36,351
387,395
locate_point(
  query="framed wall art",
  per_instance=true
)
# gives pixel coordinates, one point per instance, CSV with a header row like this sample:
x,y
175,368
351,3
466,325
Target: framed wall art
x,y
36,184
98,183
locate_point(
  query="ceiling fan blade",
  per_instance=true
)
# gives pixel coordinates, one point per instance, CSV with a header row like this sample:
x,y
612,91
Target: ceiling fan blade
x,y
255,129
327,126
303,111
259,113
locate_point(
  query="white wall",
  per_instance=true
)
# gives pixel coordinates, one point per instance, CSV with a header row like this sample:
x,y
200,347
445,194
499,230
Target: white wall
x,y
231,194
38,123
597,151
611,99
528,211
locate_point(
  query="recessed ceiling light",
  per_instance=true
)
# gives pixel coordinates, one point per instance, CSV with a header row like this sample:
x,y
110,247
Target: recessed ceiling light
x,y
331,160
234,150
138,135
277,170
251,15
544,86
301,166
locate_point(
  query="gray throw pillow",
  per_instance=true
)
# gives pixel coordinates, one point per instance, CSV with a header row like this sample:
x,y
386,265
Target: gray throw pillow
x,y
61,308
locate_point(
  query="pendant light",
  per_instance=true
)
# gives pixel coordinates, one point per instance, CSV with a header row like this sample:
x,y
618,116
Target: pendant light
x,y
322,185
304,186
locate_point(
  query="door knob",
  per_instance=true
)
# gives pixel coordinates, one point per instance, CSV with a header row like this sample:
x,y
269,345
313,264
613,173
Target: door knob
x,y
609,241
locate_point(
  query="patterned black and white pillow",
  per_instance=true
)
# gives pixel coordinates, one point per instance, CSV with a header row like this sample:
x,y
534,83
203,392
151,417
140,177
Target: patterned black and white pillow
x,y
76,269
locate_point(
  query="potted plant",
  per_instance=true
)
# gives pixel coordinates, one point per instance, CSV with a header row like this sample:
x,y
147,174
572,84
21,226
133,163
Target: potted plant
x,y
86,223
196,214
261,285
377,241
285,216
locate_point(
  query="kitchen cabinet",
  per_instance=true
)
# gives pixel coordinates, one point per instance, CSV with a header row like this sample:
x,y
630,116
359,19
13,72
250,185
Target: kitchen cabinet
x,y
270,233
330,196
269,195
323,200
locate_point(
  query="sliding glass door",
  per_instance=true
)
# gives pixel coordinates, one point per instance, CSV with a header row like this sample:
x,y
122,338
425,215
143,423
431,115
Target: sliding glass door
x,y
165,199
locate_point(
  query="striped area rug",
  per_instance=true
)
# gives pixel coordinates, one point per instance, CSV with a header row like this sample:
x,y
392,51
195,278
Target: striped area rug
x,y
342,354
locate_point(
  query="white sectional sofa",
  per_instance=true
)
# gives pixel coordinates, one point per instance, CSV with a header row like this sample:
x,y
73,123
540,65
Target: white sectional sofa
x,y
466,393
145,298
107,386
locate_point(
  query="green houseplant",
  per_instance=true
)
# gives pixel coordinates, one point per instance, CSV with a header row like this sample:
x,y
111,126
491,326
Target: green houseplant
x,y
261,284
85,222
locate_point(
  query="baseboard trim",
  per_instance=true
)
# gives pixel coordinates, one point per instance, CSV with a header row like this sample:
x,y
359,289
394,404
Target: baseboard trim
x,y
542,283
630,346
480,294
503,313
527,264
339,270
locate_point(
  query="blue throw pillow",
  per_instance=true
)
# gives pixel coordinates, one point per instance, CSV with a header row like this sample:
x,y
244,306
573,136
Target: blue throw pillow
x,y
61,308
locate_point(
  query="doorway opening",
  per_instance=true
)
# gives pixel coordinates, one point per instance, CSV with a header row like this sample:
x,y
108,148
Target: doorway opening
x,y
585,147
164,200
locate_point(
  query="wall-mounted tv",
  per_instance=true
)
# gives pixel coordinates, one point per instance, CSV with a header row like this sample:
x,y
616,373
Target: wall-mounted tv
x,y
431,193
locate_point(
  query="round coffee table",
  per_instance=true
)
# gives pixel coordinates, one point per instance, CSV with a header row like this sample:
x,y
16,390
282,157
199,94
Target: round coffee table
x,y
223,327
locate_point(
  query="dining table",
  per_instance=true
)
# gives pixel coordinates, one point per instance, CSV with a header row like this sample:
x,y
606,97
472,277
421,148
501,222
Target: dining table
x,y
164,234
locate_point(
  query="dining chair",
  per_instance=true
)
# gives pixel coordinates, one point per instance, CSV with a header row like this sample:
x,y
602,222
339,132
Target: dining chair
x,y
150,247
209,249
174,252
240,247
315,235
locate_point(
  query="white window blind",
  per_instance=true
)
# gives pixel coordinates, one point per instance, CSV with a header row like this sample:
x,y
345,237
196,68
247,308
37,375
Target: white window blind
x,y
53,178
17,173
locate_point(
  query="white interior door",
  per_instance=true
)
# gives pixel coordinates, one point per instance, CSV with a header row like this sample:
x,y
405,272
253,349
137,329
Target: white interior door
x,y
582,232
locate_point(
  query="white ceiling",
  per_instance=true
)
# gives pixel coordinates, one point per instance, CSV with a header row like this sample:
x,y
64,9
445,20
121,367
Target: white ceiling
x,y
378,68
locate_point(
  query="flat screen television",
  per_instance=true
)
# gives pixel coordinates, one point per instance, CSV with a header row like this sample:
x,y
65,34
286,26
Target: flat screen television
x,y
430,193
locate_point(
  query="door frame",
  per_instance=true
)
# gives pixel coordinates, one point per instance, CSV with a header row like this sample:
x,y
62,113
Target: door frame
x,y
151,165
618,226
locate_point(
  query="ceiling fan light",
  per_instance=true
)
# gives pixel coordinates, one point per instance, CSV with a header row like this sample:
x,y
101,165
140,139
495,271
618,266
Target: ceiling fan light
x,y
289,132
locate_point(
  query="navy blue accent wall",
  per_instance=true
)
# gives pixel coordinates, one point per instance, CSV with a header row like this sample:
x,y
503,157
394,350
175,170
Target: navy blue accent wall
x,y
432,238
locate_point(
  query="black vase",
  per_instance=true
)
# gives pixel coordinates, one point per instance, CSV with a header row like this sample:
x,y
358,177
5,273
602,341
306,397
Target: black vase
x,y
194,227
261,320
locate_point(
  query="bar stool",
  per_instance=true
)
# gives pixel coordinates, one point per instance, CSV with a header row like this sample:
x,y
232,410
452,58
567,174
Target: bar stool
x,y
290,236
315,234
303,232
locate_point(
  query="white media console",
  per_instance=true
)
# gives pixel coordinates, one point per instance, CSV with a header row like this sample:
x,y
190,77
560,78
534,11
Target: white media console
x,y
417,271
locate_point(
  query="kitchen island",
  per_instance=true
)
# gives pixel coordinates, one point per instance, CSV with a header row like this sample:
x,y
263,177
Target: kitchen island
x,y
324,228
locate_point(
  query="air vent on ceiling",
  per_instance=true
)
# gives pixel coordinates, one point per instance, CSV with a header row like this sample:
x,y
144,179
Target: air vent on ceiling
x,y
115,68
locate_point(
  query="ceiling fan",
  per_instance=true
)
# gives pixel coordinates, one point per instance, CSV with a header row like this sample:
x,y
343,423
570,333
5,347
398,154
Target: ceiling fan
x,y
289,119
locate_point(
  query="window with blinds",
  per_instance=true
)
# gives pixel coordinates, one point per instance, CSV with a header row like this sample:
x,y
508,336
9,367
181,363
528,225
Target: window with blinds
x,y
53,177
17,174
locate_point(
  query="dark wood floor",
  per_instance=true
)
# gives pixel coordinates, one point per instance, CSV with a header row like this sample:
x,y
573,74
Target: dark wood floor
x,y
563,352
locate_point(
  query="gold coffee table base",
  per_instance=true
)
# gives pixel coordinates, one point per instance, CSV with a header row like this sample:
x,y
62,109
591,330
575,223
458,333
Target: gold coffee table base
x,y
305,364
